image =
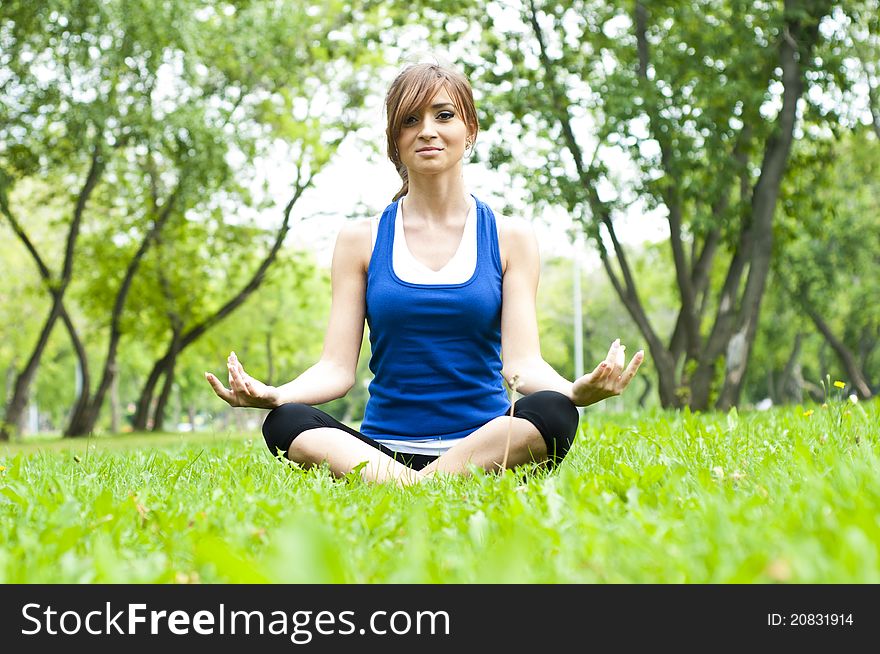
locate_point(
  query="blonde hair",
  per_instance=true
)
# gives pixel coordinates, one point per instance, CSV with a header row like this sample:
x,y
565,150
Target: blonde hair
x,y
410,91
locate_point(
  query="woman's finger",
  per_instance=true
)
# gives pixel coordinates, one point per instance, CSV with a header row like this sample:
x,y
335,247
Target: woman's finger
x,y
236,364
218,388
631,369
239,366
240,376
611,359
600,372
231,376
618,363
237,379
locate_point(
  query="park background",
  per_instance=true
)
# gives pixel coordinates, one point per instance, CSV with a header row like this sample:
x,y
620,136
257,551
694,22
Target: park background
x,y
704,180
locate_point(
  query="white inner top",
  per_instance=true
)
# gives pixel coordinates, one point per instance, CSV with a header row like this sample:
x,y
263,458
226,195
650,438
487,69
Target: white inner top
x,y
459,269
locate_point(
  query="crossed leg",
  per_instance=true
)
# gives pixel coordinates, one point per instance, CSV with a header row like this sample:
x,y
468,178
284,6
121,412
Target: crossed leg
x,y
311,437
483,448
342,452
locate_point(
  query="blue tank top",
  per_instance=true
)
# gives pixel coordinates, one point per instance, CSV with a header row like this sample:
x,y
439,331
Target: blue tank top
x,y
436,348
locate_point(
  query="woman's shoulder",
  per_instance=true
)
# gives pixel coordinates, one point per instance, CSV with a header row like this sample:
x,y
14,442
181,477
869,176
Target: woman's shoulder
x,y
513,226
354,241
514,230
516,237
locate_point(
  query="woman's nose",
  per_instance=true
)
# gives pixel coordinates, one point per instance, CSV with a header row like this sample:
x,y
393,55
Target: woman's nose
x,y
429,129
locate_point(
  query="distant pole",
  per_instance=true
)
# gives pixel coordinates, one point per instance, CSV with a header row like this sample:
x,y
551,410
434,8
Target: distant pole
x,y
77,381
33,418
577,301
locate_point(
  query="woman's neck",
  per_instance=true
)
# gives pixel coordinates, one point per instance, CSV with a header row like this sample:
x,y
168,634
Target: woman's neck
x,y
436,199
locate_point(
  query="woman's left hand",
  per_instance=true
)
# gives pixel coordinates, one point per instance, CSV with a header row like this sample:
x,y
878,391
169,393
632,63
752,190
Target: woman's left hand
x,y
608,379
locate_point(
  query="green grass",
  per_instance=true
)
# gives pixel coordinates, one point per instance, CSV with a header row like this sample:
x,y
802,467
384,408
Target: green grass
x,y
658,497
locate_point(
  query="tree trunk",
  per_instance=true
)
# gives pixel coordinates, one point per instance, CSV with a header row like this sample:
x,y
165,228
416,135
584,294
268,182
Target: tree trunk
x,y
643,398
797,44
867,344
81,401
701,384
193,334
165,394
771,387
688,316
15,410
857,378
10,381
145,399
85,421
792,385
114,402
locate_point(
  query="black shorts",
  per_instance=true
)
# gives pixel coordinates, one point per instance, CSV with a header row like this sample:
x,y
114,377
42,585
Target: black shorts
x,y
553,414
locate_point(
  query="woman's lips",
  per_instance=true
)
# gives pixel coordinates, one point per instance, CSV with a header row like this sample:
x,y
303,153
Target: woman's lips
x,y
429,152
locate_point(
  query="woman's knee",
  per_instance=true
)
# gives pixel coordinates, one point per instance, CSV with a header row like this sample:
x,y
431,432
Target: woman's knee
x,y
556,418
285,423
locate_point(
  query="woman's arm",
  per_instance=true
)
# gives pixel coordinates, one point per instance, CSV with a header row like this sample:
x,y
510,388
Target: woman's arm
x,y
334,373
520,346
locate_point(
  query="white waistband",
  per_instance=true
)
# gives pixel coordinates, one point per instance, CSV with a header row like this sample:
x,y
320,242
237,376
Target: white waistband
x,y
427,446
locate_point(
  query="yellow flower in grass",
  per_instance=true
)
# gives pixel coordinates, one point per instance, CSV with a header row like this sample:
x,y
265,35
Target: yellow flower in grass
x,y
840,384
2,468
808,413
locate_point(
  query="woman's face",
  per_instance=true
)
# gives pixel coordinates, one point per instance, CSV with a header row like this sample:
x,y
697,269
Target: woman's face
x,y
432,139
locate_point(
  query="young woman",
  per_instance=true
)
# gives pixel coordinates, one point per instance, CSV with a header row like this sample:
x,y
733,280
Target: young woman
x,y
449,293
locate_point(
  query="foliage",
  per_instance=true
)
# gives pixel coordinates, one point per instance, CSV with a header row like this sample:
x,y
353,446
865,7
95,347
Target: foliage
x,y
193,103
683,111
832,230
174,111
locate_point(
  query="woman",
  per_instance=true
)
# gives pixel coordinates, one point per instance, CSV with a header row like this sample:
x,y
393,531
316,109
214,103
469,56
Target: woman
x,y
448,293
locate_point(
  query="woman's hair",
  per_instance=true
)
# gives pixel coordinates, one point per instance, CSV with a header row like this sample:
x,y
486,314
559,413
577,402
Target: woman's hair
x,y
411,90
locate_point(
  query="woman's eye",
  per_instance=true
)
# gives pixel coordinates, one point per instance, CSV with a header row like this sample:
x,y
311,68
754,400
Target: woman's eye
x,y
446,115
410,120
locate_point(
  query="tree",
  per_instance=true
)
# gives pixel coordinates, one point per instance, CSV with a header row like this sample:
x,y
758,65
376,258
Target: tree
x,y
703,101
830,265
52,127
865,40
179,101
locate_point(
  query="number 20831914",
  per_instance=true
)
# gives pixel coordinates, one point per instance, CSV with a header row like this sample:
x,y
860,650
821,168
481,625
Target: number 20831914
x,y
810,619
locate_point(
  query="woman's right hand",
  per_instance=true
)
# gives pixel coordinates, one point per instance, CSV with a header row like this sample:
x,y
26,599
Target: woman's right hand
x,y
243,389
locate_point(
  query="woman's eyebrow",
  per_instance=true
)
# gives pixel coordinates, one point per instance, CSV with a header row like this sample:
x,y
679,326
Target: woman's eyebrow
x,y
442,104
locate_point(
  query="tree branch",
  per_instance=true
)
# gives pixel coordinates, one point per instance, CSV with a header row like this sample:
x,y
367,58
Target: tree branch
x,y
670,190
600,211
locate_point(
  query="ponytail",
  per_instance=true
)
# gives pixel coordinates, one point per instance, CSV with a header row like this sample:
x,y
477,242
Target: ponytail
x,y
404,175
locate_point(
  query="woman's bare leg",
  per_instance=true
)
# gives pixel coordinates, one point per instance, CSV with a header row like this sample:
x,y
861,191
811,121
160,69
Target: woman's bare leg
x,y
485,448
343,452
